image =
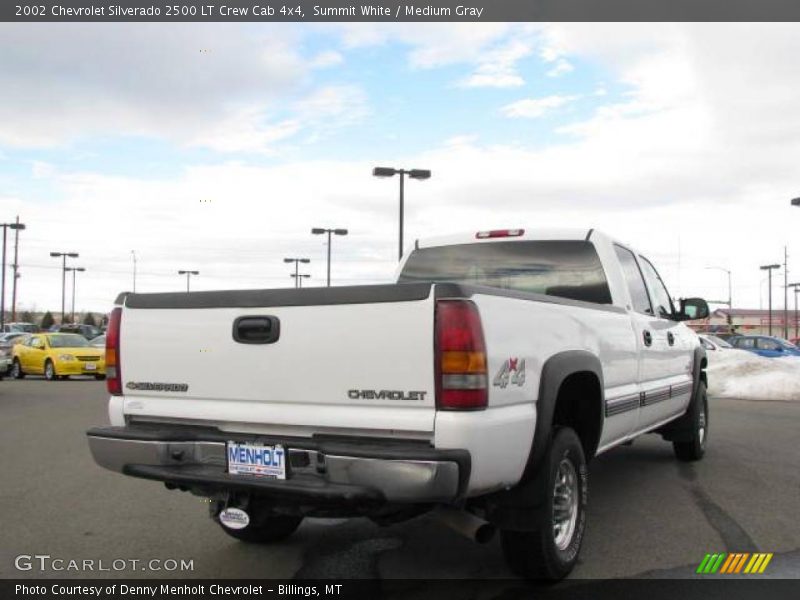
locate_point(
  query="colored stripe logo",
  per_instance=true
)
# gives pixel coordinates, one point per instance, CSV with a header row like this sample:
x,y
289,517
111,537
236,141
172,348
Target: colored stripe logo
x,y
734,563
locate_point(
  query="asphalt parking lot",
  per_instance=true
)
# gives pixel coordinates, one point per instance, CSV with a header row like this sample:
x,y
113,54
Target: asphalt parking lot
x,y
649,515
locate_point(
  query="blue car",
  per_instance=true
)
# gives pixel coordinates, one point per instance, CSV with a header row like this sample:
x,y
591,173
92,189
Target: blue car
x,y
765,345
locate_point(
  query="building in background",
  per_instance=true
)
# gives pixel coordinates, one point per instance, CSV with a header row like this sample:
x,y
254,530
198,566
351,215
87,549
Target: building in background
x,y
746,321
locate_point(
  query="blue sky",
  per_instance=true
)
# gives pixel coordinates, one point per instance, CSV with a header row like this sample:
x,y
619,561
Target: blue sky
x,y
112,135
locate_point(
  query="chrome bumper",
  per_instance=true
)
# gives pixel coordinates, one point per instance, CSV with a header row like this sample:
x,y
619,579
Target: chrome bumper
x,y
392,479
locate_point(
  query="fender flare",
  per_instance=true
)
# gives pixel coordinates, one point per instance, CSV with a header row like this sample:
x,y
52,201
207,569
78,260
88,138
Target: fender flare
x,y
554,372
520,508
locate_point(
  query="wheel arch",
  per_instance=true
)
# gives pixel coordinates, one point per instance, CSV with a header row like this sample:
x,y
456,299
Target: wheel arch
x,y
559,373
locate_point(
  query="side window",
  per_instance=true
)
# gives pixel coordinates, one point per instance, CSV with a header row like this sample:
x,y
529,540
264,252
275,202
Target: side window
x,y
661,298
36,342
635,281
766,344
745,343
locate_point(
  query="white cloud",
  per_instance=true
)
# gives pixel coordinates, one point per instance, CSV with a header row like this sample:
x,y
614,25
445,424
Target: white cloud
x,y
328,58
562,67
534,108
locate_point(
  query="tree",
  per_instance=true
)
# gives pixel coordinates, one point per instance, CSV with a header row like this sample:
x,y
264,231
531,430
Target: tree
x,y
89,320
26,317
47,321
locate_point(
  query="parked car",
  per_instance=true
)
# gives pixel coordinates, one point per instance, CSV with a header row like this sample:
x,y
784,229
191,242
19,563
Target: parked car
x,y
20,327
481,384
87,331
13,337
764,345
713,343
5,359
57,356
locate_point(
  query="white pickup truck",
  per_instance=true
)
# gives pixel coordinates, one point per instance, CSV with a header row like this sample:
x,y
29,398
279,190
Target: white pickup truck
x,y
478,386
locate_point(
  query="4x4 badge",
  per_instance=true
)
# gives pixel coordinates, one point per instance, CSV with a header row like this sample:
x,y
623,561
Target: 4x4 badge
x,y
512,371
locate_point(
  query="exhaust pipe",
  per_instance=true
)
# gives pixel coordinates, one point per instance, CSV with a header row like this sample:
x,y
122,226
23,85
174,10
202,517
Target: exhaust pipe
x,y
465,523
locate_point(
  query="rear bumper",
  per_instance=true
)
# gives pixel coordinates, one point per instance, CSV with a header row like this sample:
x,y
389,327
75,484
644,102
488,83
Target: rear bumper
x,y
319,472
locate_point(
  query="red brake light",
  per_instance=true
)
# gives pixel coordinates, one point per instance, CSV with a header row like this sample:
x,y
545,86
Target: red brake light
x,y
461,377
113,373
499,233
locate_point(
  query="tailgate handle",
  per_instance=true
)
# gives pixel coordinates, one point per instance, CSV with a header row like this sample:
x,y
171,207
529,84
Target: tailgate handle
x,y
256,330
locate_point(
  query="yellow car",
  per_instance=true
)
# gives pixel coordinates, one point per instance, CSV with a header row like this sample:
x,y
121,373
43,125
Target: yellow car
x,y
57,356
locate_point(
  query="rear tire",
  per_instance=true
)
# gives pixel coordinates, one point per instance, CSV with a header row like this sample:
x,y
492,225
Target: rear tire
x,y
50,370
550,553
694,448
16,370
270,529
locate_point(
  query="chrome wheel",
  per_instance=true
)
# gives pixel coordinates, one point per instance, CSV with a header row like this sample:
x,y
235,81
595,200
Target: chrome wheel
x,y
49,371
565,504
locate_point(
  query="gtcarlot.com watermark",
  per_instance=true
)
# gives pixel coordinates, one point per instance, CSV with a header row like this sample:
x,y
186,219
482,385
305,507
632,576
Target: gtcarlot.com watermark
x,y
45,562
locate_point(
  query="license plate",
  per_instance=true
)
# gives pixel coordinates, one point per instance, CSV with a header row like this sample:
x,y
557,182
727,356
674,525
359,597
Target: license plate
x,y
257,460
90,366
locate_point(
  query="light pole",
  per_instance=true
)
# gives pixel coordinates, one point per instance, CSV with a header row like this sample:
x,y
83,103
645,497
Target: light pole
x,y
769,269
17,225
796,287
321,230
298,278
413,174
74,270
63,256
297,262
188,276
730,296
133,254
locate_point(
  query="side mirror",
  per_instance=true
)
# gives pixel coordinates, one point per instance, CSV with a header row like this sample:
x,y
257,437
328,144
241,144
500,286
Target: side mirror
x,y
692,309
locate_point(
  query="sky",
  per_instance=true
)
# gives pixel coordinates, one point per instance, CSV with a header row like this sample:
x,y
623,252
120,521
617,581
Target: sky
x,y
217,147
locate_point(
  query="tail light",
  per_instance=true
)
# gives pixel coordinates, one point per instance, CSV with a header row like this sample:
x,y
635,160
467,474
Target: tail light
x,y
461,376
113,373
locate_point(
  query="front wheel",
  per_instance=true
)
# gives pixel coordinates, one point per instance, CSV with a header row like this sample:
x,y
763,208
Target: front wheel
x,y
551,552
99,377
50,371
694,448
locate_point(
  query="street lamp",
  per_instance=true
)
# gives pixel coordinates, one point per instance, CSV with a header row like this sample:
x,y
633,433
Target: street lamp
x,y
769,269
188,276
730,296
296,262
63,256
413,174
133,254
298,278
74,270
319,231
6,226
796,287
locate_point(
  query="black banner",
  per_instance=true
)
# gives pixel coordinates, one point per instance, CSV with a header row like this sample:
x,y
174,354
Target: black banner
x,y
396,11
734,588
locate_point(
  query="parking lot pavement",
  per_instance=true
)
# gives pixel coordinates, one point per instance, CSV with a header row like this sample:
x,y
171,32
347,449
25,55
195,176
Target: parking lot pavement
x,y
649,515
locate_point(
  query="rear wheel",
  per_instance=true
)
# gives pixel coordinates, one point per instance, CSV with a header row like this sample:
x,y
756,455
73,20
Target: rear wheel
x,y
269,529
551,552
694,448
16,370
49,370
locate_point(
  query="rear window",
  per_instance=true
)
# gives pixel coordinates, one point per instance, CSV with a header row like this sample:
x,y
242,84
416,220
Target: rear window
x,y
567,269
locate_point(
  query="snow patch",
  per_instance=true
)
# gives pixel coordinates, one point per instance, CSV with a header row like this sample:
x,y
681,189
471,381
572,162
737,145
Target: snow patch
x,y
745,375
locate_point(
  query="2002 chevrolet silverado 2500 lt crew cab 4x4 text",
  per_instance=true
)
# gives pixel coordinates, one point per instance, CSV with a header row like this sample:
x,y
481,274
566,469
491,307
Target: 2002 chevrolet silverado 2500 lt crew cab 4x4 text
x,y
479,386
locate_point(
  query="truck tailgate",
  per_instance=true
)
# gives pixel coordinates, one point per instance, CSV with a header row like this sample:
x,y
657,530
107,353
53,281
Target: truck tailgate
x,y
355,360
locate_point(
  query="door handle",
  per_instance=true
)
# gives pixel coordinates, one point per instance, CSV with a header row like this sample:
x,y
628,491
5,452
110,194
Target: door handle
x,y
670,338
256,330
648,337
